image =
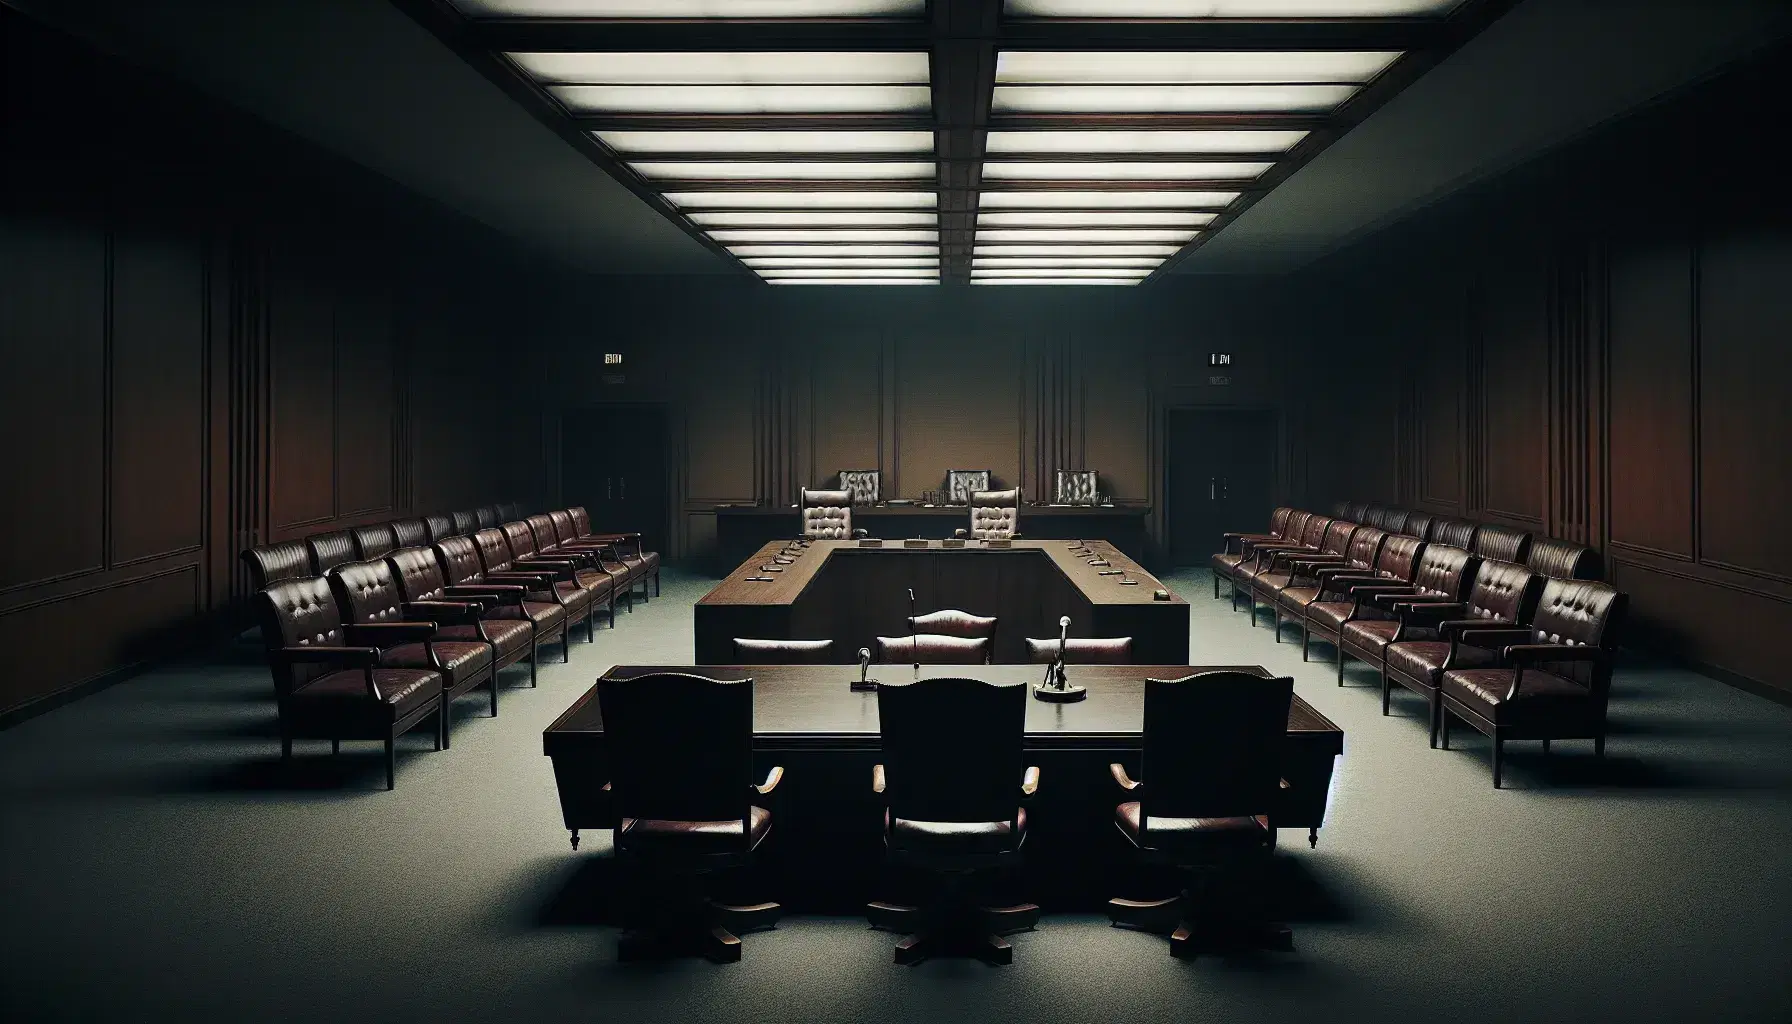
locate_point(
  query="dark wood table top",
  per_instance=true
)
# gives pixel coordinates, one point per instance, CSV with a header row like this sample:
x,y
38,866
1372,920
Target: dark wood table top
x,y
805,707
1071,557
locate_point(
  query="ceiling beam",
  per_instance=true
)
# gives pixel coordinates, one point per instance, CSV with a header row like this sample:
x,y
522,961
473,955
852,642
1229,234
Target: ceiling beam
x,y
963,74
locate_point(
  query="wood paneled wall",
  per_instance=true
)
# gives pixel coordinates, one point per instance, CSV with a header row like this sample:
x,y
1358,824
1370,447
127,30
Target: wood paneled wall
x,y
775,389
214,336
1591,348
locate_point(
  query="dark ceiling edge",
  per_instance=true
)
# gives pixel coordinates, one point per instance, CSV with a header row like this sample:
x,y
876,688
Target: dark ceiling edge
x,y
1464,24
456,32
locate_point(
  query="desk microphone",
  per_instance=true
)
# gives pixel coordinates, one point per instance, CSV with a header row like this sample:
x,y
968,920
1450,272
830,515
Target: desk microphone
x,y
914,641
1057,689
865,682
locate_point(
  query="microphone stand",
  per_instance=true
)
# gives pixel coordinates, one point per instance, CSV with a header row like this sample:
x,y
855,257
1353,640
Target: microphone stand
x,y
1057,689
914,641
864,682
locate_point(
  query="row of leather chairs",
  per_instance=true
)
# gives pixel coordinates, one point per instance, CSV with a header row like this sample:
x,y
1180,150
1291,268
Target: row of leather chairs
x,y
1493,626
370,647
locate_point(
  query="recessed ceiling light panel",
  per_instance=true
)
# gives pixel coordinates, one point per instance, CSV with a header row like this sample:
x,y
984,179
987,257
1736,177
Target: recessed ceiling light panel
x,y
730,235
1190,67
1095,200
1172,236
1093,218
822,67
738,200
1131,141
724,143
1122,170
1169,99
1229,8
691,8
815,218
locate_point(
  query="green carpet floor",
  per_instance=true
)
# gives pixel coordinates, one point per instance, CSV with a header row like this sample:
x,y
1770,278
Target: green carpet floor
x,y
159,865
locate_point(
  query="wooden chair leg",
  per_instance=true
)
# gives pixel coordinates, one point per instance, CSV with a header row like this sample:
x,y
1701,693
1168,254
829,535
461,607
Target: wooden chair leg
x,y
1498,750
1340,664
1435,711
1443,727
1278,611
1386,692
1306,642
442,723
335,746
492,684
391,763
1599,744
534,658
1216,586
1546,746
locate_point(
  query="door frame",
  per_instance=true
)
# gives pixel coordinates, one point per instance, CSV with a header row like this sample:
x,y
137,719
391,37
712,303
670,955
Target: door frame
x,y
1158,540
557,462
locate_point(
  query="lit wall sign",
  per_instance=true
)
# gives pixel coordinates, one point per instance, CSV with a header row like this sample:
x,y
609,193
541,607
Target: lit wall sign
x,y
612,359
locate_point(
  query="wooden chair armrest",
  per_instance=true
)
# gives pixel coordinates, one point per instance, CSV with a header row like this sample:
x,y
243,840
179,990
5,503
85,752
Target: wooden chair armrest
x,y
772,778
1118,771
1029,781
877,779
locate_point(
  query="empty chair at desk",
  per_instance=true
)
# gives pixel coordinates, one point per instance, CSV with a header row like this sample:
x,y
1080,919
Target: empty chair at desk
x,y
827,515
681,773
952,622
749,651
932,649
1082,651
273,563
995,515
1211,779
962,483
1075,487
953,782
863,485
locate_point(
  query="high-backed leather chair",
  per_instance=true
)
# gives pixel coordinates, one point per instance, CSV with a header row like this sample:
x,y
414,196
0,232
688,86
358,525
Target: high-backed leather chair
x,y
1225,562
328,681
932,649
953,783
510,510
466,523
597,569
578,583
420,580
1355,511
1418,524
953,622
368,594
865,485
269,564
1082,650
1502,543
1395,566
487,515
464,566
329,550
749,651
1503,594
1562,560
438,527
1076,487
1370,514
554,587
1211,779
1443,575
680,748
1305,580
1554,677
1457,533
605,559
1393,520
1267,586
995,515
1308,541
827,515
644,565
375,541
962,483
409,533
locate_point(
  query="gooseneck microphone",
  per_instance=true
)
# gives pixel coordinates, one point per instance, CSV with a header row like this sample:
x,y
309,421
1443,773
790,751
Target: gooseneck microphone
x,y
1056,688
1063,639
865,682
914,640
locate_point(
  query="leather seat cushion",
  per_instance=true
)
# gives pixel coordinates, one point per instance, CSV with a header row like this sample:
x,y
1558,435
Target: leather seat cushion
x,y
507,635
1191,833
595,583
343,695
1544,696
1297,598
1274,581
1424,659
1329,615
1225,560
956,837
1370,634
695,836
459,658
545,615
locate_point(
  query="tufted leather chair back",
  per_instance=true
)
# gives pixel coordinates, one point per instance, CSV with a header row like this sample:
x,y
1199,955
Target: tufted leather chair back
x,y
1356,511
1501,542
373,541
459,558
682,747
408,533
1400,556
564,530
299,613
748,651
1445,571
932,649
827,515
517,538
581,520
952,748
272,563
437,527
1313,534
1278,520
494,552
367,592
1457,533
863,484
1296,526
962,483
417,573
953,622
1418,524
1393,520
1213,745
510,510
1076,487
466,523
1373,515
541,532
487,515
1082,651
1339,508
1336,540
1365,545
1503,592
329,550
995,515
1562,560
1580,613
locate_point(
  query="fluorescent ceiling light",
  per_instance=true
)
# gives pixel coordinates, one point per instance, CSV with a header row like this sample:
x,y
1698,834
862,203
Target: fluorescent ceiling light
x,y
1171,235
1188,67
1152,99
811,200
824,235
855,280
725,143
1159,251
1134,141
818,170
817,218
1037,262
773,275
1095,200
977,272
861,249
1056,280
690,8
750,69
1093,218
841,261
743,99
1228,8
1122,170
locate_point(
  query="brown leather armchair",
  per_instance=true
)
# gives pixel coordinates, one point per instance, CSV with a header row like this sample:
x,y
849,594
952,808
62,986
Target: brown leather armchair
x,y
466,523
932,649
1418,524
644,565
1503,594
749,651
272,563
962,483
510,510
373,541
681,772
1082,650
1562,560
954,787
1393,520
593,573
1443,575
487,517
368,595
1355,511
1305,579
1502,543
953,622
1457,533
511,548
1395,565
419,577
827,515
1225,562
995,515
438,527
1267,586
865,485
329,550
328,680
1211,779
409,533
1307,541
606,559
464,566
1554,677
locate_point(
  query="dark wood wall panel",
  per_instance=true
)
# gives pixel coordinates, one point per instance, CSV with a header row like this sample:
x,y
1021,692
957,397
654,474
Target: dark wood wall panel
x,y
157,497
958,406
365,393
846,402
1653,377
303,391
722,405
1438,405
1512,428
53,395
137,616
1113,403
